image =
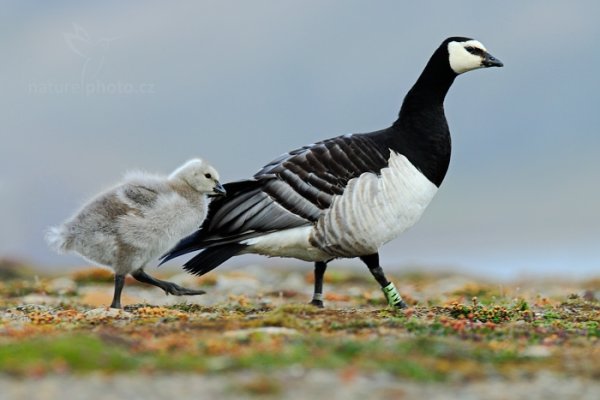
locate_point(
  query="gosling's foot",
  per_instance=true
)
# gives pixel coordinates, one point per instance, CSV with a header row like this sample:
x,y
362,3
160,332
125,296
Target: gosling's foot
x,y
176,290
168,287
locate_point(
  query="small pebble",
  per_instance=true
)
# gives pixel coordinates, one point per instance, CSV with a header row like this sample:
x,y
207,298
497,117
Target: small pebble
x,y
267,330
62,286
105,312
537,351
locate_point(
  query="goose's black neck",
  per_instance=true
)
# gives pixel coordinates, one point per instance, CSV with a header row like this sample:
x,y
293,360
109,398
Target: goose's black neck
x,y
421,132
432,86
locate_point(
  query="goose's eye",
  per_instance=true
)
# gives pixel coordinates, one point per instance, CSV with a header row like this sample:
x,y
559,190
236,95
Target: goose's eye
x,y
207,176
474,50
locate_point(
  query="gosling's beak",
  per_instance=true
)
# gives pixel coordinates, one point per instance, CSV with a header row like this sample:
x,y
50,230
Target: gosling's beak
x,y
491,61
219,190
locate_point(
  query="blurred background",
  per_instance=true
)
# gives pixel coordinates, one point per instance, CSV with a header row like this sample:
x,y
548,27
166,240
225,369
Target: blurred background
x,y
91,90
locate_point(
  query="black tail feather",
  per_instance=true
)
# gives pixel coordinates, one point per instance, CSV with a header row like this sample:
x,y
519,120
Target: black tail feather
x,y
186,245
212,257
205,237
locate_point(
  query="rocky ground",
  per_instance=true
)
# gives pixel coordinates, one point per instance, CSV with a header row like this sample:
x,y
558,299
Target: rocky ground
x,y
253,336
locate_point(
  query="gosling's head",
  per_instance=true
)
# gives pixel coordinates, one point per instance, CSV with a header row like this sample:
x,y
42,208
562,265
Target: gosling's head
x,y
201,176
466,54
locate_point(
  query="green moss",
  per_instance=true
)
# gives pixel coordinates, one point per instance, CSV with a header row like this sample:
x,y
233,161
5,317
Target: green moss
x,y
192,308
79,353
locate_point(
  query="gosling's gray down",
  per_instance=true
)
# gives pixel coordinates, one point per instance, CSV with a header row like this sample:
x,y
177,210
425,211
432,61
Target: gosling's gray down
x,y
135,222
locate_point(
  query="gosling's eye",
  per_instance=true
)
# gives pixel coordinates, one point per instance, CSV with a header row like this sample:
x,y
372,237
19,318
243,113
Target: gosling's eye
x,y
207,176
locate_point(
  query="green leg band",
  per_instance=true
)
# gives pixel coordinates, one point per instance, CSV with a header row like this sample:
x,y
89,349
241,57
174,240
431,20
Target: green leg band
x,y
392,295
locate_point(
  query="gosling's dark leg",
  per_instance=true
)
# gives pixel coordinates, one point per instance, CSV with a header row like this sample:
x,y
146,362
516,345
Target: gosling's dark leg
x,y
317,300
168,287
389,290
119,283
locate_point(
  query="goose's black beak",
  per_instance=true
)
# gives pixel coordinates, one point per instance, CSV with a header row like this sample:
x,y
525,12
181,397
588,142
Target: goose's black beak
x,y
491,61
219,190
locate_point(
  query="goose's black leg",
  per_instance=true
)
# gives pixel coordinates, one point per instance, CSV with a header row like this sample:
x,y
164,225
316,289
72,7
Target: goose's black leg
x,y
389,290
168,287
119,283
317,300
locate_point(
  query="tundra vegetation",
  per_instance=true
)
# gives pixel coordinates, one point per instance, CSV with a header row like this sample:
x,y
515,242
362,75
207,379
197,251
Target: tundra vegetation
x,y
456,328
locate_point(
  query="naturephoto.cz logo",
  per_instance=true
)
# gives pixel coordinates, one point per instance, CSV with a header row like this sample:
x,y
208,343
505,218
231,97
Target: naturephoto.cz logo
x,y
93,54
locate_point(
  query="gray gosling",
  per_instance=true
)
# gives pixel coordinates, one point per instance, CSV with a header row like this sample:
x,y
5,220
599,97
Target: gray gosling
x,y
139,220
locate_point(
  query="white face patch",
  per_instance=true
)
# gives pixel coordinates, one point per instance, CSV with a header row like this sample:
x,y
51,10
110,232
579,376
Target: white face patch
x,y
461,60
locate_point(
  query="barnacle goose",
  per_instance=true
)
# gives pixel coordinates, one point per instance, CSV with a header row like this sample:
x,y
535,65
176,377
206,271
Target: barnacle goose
x,y
128,226
346,196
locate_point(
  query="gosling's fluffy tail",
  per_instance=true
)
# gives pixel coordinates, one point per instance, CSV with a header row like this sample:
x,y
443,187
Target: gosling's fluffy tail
x,y
59,239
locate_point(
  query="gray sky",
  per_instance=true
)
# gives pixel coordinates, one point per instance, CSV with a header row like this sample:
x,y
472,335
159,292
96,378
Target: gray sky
x,y
90,91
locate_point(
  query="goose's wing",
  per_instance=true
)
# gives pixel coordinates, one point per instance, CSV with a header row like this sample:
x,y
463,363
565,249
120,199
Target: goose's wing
x,y
292,190
139,196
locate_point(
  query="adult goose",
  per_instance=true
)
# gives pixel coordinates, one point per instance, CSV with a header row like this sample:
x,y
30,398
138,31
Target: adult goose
x,y
343,197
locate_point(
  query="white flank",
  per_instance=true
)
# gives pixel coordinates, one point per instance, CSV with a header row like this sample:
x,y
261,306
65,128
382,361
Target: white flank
x,y
460,59
374,210
288,243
